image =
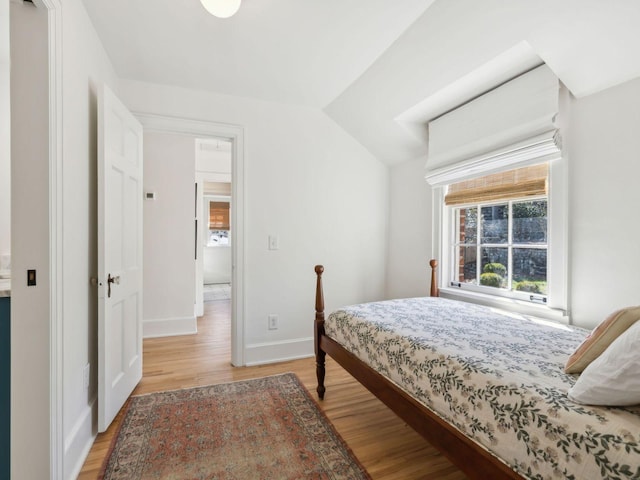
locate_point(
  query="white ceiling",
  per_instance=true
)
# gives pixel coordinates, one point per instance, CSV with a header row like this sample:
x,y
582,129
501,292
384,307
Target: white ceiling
x,y
380,68
293,51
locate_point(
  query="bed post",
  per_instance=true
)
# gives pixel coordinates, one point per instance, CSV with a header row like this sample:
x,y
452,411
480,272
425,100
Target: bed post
x,y
434,283
319,332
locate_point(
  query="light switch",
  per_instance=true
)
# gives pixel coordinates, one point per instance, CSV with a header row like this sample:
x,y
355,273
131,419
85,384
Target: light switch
x,y
274,243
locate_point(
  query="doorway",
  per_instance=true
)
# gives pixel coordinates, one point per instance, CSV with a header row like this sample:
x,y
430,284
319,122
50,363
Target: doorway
x,y
234,135
214,206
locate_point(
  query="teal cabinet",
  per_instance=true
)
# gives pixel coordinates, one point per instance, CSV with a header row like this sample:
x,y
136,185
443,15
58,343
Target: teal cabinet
x,y
5,385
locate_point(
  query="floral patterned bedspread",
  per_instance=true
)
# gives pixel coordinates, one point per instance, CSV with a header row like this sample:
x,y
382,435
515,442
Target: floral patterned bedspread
x,y
499,379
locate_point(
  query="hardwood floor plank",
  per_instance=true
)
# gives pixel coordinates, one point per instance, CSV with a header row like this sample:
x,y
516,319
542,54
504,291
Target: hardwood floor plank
x,y
384,444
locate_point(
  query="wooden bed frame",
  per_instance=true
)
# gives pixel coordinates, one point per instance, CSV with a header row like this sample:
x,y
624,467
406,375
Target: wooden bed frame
x,y
472,459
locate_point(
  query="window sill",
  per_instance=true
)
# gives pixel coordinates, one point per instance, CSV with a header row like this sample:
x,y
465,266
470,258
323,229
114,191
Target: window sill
x,y
508,304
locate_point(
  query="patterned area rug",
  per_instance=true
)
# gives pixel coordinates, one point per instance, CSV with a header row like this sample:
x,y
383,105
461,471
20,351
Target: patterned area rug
x,y
267,428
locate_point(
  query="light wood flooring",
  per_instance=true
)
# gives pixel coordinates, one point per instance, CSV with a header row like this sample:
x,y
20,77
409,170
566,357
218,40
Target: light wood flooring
x,y
384,444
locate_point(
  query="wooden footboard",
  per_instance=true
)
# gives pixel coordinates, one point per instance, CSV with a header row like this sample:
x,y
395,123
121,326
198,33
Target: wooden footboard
x,y
471,458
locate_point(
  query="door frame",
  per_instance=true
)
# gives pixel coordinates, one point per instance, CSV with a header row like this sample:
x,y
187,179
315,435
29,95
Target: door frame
x,y
56,285
235,134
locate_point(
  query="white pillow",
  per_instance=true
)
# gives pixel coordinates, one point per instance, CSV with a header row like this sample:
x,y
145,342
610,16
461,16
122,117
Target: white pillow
x,y
613,378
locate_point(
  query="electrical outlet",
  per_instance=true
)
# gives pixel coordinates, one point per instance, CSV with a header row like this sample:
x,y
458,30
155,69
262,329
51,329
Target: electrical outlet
x,y
273,322
86,372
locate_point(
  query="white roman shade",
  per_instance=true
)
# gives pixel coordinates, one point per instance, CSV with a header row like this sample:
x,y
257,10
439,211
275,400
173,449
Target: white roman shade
x,y
510,126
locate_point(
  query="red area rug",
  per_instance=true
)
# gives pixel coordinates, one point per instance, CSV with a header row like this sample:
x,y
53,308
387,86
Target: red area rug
x,y
267,428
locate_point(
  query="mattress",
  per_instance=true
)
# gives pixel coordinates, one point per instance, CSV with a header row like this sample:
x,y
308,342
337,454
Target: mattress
x,y
497,377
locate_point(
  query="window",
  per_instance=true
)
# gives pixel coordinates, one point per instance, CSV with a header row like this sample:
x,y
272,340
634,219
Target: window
x,y
219,224
502,238
499,242
502,246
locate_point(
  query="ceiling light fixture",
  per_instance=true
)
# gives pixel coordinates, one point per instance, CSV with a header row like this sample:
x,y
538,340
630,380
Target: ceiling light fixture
x,y
221,8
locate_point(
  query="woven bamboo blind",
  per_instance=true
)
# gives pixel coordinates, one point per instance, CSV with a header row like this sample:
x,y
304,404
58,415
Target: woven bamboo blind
x,y
218,215
518,183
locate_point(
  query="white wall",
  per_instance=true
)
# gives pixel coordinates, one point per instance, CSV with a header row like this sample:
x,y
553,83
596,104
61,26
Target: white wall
x,y
311,184
5,136
85,64
169,263
602,145
408,271
214,161
217,264
30,443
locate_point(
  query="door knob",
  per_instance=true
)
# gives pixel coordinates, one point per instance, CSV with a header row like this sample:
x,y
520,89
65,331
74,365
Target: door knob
x,y
111,280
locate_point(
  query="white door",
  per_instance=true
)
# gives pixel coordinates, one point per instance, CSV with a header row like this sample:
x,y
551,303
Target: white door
x,y
119,255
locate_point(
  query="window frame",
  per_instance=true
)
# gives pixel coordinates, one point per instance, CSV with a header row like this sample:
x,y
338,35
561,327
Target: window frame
x,y
555,307
206,231
455,244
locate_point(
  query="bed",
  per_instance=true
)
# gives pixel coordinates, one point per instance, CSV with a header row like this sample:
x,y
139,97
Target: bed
x,y
486,388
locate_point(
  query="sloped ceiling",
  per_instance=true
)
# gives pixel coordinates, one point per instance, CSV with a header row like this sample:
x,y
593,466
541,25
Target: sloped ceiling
x,y
292,51
380,68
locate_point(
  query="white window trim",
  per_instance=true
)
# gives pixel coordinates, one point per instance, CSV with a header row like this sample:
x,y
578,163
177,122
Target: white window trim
x,y
557,251
541,148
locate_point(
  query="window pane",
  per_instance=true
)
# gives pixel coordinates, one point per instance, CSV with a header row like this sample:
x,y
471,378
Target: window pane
x,y
494,265
530,222
530,270
218,237
467,225
495,224
467,265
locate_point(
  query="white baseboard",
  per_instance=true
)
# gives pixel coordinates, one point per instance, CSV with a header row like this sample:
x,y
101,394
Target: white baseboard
x,y
79,441
272,352
169,327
